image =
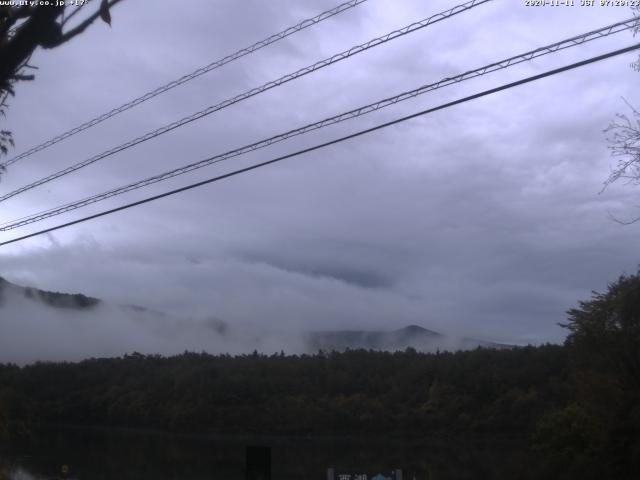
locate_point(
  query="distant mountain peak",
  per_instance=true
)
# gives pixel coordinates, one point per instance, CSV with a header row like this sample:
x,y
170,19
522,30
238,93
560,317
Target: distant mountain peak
x,y
417,330
411,336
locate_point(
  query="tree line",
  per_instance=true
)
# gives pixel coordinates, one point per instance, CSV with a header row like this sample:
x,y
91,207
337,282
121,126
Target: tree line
x,y
577,404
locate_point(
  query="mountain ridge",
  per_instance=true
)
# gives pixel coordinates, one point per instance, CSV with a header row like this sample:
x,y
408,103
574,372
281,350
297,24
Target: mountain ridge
x,y
76,301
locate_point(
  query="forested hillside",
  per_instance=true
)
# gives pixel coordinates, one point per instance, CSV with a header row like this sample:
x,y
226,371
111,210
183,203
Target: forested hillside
x,y
353,392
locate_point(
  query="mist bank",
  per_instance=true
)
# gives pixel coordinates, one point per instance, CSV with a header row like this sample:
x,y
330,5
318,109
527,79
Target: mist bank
x,y
37,325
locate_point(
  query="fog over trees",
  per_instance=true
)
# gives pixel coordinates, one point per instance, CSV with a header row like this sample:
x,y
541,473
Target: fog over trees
x,y
579,403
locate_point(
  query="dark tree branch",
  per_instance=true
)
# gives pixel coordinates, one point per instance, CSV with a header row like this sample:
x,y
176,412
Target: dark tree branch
x,y
19,76
81,27
10,16
39,28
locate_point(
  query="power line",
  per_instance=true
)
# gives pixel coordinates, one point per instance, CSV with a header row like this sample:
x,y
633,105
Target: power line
x,y
254,91
502,64
333,142
190,76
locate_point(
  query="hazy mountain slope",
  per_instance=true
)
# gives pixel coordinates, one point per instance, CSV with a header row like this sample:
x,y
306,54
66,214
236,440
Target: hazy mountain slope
x,y
76,301
412,336
40,325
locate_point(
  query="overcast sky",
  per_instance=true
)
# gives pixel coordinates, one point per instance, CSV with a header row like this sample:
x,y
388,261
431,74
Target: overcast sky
x,y
483,219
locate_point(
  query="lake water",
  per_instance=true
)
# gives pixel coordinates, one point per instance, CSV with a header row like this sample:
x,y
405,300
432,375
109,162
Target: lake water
x,y
94,454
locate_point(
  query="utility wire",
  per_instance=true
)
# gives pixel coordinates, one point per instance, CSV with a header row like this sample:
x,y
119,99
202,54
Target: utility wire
x,y
255,91
333,142
502,64
190,76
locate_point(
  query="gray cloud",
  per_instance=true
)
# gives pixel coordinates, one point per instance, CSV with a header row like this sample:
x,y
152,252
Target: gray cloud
x,y
353,276
481,220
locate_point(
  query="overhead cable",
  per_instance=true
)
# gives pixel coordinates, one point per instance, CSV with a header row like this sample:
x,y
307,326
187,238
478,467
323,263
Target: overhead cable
x,y
188,77
502,64
332,142
254,91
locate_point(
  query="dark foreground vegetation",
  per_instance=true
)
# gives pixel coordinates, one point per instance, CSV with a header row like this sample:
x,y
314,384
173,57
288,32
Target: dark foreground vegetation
x,y
577,405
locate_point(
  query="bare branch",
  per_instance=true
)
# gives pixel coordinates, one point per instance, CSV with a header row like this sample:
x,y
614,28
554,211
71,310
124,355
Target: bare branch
x,y
624,142
622,222
19,76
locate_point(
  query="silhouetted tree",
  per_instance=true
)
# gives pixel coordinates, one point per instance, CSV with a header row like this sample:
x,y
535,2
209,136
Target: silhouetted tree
x,y
604,347
605,331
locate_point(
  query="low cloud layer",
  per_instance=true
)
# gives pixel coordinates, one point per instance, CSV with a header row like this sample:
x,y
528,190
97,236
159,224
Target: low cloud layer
x,y
45,326
31,330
